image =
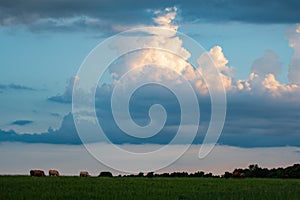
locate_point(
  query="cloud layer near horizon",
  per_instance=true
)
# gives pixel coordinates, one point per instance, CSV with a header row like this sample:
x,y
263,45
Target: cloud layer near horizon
x,y
20,158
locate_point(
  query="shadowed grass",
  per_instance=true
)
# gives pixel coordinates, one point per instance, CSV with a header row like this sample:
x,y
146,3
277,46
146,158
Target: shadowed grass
x,y
25,187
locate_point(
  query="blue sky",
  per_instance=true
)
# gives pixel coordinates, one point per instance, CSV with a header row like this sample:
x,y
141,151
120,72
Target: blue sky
x,y
255,45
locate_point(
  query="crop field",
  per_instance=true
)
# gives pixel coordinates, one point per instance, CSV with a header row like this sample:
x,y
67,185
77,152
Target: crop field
x,y
26,187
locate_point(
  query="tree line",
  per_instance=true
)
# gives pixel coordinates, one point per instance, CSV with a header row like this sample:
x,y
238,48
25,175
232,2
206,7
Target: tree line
x,y
253,171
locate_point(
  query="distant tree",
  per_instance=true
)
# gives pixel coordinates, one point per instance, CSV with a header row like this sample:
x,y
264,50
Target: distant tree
x,y
227,175
236,174
105,174
141,174
197,174
208,175
179,174
165,175
293,171
150,174
253,170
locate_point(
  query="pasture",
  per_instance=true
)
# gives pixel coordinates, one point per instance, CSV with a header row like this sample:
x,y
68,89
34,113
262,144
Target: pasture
x,y
26,187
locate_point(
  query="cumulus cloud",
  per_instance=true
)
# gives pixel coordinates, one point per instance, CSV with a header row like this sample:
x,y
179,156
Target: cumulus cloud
x,y
265,86
274,86
262,79
261,110
142,60
166,17
215,59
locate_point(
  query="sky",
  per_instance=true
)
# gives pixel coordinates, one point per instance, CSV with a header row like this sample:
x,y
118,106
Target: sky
x,y
254,45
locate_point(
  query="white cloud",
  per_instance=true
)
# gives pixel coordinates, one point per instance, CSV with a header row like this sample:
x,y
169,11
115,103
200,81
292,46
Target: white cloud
x,y
265,85
166,17
275,87
262,79
147,57
220,62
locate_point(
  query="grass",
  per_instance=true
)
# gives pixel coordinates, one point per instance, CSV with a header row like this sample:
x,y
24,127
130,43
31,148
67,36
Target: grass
x,y
25,187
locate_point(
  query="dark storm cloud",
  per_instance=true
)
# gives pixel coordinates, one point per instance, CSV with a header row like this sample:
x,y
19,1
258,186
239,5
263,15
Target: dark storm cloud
x,y
66,134
251,121
22,122
260,121
49,14
72,15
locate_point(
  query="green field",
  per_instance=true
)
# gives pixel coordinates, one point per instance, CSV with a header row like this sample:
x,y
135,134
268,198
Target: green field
x,y
25,187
